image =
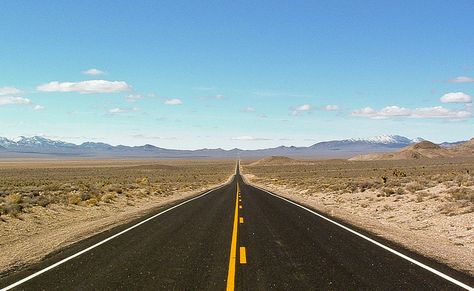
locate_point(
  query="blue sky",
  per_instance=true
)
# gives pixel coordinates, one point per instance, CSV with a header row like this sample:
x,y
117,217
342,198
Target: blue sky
x,y
248,74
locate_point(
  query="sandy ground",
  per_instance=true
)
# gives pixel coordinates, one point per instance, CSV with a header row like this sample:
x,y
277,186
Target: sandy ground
x,y
418,224
47,229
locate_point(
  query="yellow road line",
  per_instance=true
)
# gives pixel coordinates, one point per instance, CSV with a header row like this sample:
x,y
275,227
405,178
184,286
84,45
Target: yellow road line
x,y
233,246
241,220
243,256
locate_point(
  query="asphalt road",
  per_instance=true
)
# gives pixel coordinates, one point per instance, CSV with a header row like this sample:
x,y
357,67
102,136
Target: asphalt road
x,y
217,242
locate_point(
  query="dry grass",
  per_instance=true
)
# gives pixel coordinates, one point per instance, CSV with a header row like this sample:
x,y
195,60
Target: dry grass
x,y
385,178
91,183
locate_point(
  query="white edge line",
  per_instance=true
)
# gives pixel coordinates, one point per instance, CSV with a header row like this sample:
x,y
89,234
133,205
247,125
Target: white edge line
x,y
105,240
440,274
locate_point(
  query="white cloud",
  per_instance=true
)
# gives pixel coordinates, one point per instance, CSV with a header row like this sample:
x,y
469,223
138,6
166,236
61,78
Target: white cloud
x,y
86,87
301,109
441,112
456,97
462,79
38,107
365,112
93,72
122,110
133,98
384,113
9,91
425,112
249,138
248,109
331,108
394,111
173,102
11,100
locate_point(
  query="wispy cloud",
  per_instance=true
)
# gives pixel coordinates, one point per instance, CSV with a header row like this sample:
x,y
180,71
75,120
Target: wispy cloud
x,y
173,101
384,113
118,110
133,97
424,112
93,72
38,107
86,87
442,112
301,109
456,97
330,108
11,100
9,91
12,96
248,109
462,79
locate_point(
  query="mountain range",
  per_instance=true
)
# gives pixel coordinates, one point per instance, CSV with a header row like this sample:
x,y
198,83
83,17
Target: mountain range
x,y
38,146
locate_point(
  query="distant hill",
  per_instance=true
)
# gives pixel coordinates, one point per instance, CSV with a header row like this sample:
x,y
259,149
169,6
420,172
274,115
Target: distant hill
x,y
38,146
424,149
464,149
449,145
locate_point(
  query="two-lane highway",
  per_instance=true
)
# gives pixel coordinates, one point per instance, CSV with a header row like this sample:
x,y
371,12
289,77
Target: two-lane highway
x,y
235,237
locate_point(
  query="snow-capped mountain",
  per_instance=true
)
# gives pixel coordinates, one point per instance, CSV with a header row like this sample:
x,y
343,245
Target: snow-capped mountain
x,y
23,143
40,141
386,139
41,146
5,142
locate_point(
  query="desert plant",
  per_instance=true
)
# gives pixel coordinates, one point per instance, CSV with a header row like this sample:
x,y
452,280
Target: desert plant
x,y
399,173
462,193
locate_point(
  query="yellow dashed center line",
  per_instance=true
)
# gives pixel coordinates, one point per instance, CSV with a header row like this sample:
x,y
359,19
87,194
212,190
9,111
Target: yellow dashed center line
x,y
243,256
233,246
